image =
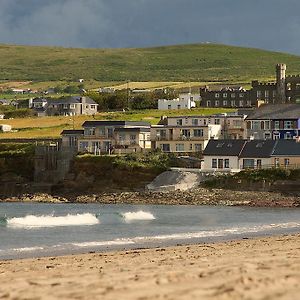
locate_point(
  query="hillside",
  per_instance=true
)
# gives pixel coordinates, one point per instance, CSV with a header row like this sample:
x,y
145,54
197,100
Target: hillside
x,y
199,62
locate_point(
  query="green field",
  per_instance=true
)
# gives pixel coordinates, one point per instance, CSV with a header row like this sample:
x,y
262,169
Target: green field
x,y
196,63
52,126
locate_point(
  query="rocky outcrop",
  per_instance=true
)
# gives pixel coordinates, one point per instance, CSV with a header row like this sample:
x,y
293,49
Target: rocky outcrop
x,y
198,196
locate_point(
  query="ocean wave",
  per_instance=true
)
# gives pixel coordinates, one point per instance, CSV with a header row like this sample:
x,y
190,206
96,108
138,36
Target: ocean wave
x,y
138,216
32,221
188,235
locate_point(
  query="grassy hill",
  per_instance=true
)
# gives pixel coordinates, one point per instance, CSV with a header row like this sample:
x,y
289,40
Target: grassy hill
x,y
199,62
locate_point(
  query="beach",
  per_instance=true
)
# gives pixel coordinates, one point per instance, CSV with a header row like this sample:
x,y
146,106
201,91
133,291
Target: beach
x,y
258,268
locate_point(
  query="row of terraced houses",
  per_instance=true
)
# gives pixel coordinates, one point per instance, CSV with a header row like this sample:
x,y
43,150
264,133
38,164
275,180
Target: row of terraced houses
x,y
193,134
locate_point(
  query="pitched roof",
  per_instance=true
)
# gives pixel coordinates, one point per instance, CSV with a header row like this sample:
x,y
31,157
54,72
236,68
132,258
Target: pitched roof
x,y
258,149
224,147
286,148
71,100
115,123
275,111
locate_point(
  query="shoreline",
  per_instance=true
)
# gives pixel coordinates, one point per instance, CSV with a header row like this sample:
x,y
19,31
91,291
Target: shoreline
x,y
199,196
254,268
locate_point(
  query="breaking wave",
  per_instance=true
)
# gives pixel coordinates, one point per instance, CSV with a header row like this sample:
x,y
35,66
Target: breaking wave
x,y
32,221
187,235
138,216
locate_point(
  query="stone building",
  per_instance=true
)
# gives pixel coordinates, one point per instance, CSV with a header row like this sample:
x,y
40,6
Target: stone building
x,y
286,89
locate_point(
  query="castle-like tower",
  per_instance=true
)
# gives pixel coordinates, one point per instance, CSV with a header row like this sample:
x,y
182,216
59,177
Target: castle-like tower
x,y
280,83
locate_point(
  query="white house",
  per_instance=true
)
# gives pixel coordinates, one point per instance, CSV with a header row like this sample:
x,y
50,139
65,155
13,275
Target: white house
x,y
184,101
223,155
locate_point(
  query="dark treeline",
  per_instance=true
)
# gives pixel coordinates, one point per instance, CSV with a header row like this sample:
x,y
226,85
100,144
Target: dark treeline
x,y
120,100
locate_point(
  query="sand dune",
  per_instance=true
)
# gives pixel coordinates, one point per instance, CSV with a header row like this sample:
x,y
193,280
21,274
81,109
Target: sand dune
x,y
262,268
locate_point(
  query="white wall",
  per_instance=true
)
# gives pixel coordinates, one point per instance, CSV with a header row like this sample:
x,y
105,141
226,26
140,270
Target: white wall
x,y
233,162
164,104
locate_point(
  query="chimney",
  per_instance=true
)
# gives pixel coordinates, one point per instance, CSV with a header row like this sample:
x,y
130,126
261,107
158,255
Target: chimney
x,y
83,105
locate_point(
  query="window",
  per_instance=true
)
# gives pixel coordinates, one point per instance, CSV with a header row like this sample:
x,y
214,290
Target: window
x,y
179,122
179,147
208,104
232,103
286,162
276,125
66,106
110,132
90,131
226,163
258,94
267,94
217,95
83,146
220,145
248,102
217,103
288,124
267,125
288,136
102,131
169,106
162,134
274,94
185,133
255,125
178,106
276,136
225,102
195,122
224,95
204,121
214,163
191,147
198,147
198,132
217,121
220,163
93,106
133,139
72,106
241,103
258,164
241,95
165,147
186,120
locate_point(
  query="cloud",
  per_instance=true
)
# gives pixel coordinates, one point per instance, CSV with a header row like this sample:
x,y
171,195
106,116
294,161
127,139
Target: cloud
x,y
269,24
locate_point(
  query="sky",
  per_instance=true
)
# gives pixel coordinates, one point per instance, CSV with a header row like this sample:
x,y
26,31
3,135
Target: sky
x,y
266,24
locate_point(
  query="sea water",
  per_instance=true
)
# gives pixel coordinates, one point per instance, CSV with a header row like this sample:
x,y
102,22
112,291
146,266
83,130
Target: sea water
x,y
32,229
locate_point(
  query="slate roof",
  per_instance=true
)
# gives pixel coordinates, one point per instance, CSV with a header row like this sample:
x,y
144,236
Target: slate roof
x,y
73,131
115,123
71,100
286,148
38,100
224,147
258,149
275,112
129,129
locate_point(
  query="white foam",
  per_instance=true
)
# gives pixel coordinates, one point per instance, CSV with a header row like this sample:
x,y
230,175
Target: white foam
x,y
27,249
188,235
32,221
138,216
105,243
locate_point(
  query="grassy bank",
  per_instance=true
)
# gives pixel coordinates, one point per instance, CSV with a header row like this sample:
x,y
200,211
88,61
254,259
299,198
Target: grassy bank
x,y
198,63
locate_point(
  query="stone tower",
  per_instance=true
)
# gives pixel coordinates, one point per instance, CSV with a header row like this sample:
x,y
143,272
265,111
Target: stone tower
x,y
280,82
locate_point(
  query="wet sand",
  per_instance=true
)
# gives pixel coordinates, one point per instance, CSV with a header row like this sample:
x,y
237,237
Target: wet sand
x,y
260,268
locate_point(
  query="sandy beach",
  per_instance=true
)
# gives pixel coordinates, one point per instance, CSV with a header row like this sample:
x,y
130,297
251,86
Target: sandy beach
x,y
260,268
